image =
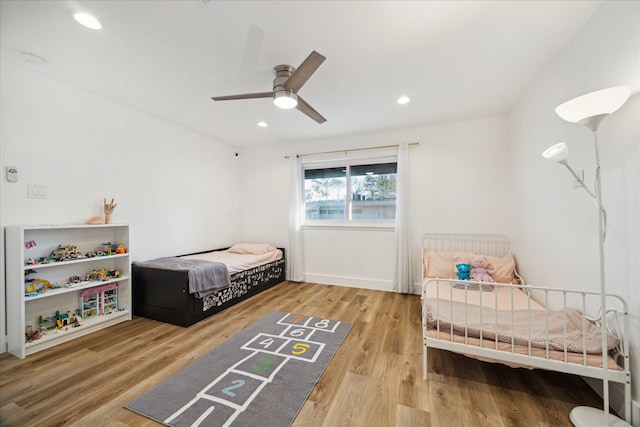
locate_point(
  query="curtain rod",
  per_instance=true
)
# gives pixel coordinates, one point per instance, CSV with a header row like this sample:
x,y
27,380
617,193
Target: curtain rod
x,y
411,144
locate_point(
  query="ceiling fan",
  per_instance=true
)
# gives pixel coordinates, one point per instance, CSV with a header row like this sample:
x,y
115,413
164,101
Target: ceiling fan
x,y
286,85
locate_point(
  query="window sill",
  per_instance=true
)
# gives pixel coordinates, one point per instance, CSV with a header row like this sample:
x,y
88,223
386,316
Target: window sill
x,y
360,226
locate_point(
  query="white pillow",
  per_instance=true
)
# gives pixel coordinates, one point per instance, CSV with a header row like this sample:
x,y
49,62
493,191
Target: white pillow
x,y
251,248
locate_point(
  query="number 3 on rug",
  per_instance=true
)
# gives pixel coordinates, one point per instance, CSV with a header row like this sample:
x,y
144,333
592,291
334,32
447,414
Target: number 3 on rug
x,y
236,384
265,362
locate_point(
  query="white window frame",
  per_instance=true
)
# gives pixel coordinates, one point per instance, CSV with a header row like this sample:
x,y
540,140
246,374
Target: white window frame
x,y
359,224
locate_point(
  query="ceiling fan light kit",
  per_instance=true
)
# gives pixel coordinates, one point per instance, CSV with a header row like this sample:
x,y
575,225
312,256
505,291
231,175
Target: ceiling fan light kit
x,y
286,85
285,99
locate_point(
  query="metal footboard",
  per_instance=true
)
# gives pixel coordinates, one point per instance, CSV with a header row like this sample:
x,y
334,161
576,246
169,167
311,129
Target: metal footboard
x,y
507,349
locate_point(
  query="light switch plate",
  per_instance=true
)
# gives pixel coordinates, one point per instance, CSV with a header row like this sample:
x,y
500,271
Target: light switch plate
x,y
37,192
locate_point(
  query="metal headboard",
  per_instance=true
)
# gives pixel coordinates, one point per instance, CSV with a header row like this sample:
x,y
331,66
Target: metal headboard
x,y
485,244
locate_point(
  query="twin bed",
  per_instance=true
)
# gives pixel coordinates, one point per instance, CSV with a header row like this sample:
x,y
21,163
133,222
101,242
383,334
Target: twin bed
x,y
517,324
187,289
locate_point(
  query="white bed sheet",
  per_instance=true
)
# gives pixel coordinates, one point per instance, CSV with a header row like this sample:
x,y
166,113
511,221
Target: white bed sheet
x,y
238,262
502,297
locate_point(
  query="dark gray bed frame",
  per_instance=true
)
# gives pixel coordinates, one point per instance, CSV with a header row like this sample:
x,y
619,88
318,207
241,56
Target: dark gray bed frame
x,y
164,294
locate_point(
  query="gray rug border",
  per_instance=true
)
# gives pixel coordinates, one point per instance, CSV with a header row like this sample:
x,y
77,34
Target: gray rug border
x,y
279,315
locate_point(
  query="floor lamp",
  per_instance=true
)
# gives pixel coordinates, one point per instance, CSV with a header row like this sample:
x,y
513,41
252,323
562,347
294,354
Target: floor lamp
x,y
589,110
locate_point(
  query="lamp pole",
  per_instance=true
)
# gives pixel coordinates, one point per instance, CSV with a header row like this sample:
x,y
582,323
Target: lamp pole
x,y
603,296
589,110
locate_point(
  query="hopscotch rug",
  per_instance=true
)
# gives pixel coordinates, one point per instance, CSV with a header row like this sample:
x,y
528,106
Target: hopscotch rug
x,y
259,377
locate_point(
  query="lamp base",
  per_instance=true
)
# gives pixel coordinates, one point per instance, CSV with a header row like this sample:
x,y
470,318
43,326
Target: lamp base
x,y
586,416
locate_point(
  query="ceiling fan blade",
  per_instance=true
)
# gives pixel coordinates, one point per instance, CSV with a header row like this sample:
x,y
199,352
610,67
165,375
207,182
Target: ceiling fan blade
x,y
309,111
243,96
304,71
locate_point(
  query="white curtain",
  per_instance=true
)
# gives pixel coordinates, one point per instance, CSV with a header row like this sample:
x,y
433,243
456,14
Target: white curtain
x,y
402,281
294,254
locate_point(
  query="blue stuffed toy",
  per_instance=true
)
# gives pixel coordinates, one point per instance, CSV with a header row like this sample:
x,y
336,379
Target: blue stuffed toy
x,y
463,271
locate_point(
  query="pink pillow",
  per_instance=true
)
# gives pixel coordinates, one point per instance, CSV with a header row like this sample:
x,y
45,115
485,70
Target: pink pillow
x,y
251,248
505,266
438,264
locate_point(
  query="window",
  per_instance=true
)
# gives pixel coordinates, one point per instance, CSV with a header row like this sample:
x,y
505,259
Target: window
x,y
363,192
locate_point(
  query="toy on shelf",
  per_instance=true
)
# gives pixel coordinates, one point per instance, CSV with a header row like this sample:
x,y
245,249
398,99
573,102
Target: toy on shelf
x,y
98,300
69,319
31,334
102,274
56,323
65,253
71,252
113,248
108,210
76,281
36,286
96,220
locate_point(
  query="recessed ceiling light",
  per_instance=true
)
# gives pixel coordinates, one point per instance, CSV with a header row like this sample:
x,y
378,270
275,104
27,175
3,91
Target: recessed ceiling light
x,y
403,100
263,124
87,20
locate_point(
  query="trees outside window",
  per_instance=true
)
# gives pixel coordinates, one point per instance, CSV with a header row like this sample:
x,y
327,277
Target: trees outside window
x,y
370,195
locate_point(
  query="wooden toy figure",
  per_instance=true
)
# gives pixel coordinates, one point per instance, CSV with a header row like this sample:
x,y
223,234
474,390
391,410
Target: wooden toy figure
x,y
108,210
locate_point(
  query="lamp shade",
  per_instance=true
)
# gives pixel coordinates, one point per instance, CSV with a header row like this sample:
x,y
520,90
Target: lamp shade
x,y
604,101
557,153
285,99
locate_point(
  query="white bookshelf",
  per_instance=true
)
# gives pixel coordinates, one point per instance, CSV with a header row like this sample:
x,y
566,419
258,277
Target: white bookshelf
x,y
24,242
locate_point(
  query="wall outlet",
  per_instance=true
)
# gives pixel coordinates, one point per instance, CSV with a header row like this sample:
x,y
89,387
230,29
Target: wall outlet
x,y
12,173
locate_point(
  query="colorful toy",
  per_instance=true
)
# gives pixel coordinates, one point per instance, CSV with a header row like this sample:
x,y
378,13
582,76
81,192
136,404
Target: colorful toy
x,y
463,271
65,320
66,252
32,334
36,286
481,270
58,322
98,300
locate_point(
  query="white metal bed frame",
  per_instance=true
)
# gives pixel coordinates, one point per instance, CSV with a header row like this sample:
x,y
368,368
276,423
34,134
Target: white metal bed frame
x,y
498,245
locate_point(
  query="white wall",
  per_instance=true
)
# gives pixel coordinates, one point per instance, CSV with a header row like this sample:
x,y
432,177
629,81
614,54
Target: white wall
x,y
177,190
458,184
554,226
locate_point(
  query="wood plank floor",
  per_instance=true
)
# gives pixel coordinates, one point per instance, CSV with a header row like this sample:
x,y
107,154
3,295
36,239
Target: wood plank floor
x,y
375,378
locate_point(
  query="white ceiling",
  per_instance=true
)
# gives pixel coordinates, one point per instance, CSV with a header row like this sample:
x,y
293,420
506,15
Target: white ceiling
x,y
455,59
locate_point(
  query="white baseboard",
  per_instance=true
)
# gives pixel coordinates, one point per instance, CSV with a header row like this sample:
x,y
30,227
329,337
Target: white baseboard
x,y
635,413
355,282
351,282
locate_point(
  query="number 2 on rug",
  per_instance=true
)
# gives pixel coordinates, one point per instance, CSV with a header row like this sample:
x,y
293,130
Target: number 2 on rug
x,y
236,384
